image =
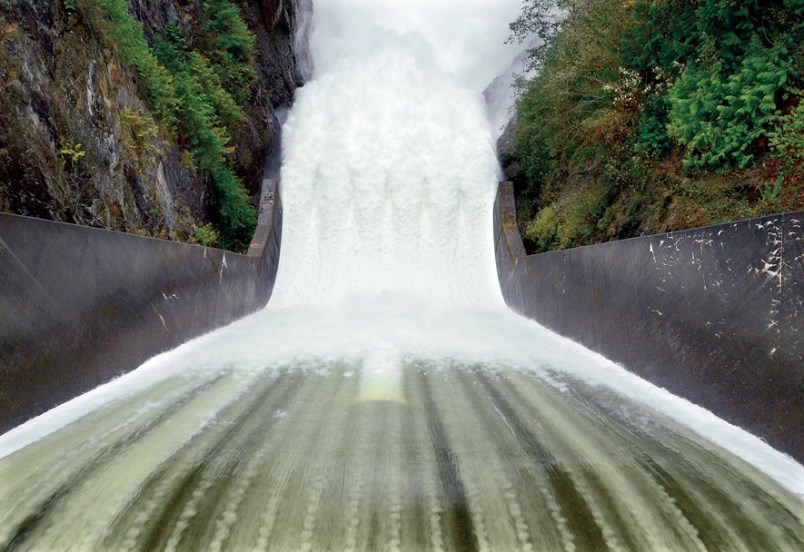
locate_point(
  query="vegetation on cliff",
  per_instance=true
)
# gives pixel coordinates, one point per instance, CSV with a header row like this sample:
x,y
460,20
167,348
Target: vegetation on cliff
x,y
657,115
154,118
196,97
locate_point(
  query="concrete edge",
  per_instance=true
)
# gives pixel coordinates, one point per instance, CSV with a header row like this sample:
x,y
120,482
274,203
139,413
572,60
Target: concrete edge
x,y
711,314
80,306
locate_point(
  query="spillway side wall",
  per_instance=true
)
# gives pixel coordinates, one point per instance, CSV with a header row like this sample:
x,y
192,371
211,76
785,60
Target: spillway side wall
x,y
714,315
80,306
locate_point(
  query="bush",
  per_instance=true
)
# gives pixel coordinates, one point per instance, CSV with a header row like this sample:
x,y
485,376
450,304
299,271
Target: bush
x,y
207,235
652,137
209,116
208,113
718,117
125,35
631,91
787,140
232,209
543,230
231,46
140,133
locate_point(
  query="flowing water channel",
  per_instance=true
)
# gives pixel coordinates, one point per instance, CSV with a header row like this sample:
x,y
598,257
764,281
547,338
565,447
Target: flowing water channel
x,y
386,399
452,457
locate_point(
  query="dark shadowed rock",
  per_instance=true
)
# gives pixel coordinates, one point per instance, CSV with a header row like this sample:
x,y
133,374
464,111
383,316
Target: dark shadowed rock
x,y
511,166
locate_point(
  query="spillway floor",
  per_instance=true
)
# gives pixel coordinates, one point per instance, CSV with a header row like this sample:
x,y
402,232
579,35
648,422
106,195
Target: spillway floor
x,y
444,458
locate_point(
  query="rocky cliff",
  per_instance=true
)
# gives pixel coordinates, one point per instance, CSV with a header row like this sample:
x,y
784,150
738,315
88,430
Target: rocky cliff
x,y
79,137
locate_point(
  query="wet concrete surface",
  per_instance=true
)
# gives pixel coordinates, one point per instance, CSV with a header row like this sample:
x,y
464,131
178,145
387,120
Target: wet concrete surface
x,y
713,315
473,457
80,306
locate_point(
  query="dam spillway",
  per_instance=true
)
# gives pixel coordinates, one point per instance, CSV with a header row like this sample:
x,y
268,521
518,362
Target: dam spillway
x,y
386,399
462,457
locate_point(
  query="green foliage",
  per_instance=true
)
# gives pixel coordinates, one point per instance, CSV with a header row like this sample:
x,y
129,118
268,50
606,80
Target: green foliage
x,y
125,35
209,114
579,78
717,116
531,142
652,135
787,140
207,235
231,46
227,32
630,90
581,103
195,97
70,5
140,132
231,204
543,230
73,152
660,34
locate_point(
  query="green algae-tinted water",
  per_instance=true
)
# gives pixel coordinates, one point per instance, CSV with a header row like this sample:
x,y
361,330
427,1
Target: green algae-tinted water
x,y
439,458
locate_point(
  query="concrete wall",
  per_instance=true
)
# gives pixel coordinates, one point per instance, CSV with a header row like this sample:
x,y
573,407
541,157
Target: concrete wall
x,y
714,315
79,306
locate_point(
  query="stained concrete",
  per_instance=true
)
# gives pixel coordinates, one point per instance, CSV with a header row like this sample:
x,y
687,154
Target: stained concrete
x,y
80,306
713,314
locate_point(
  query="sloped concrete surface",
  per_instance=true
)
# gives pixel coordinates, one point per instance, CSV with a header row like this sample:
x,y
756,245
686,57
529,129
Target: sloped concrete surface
x,y
80,306
714,315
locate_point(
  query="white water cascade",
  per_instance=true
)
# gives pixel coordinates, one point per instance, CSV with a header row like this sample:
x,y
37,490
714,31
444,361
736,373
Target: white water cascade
x,y
386,398
389,171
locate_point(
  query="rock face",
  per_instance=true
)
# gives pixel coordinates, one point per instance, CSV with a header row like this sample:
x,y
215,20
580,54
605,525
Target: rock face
x,y
505,152
77,141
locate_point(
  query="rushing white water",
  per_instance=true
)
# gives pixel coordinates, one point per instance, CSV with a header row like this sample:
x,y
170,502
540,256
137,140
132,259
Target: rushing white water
x,y
387,266
389,176
389,169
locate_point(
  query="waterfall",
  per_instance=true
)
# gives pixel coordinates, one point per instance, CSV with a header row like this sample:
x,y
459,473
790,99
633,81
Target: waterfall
x,y
389,169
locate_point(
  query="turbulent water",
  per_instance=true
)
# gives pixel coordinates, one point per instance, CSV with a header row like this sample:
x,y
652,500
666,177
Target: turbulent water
x,y
389,169
386,399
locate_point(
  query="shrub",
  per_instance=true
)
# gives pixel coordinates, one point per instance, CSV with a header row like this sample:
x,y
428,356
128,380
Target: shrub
x,y
125,35
189,98
651,135
207,235
787,140
232,209
718,116
140,133
231,46
73,152
628,91
209,115
543,230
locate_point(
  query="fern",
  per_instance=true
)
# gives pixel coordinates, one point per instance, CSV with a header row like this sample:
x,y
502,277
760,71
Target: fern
x,y
718,117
